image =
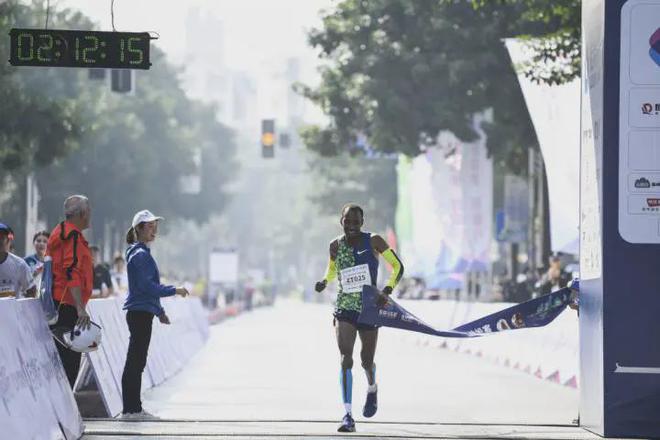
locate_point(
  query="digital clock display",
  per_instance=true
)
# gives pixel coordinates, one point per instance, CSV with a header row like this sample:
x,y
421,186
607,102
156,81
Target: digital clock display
x,y
67,48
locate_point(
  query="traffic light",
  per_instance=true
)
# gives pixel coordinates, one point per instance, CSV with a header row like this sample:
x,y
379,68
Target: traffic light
x,y
268,138
122,81
97,74
285,140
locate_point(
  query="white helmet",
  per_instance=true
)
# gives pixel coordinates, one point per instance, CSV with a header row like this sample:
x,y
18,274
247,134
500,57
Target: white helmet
x,y
79,339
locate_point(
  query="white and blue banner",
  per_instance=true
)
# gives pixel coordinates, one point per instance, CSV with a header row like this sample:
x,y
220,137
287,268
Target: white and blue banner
x,y
536,312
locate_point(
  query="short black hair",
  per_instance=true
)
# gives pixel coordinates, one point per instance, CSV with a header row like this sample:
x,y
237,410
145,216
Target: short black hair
x,y
39,234
351,207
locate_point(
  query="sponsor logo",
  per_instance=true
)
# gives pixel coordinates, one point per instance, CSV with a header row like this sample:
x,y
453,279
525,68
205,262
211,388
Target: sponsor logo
x,y
517,320
408,318
362,251
653,202
654,51
650,109
486,328
643,183
387,314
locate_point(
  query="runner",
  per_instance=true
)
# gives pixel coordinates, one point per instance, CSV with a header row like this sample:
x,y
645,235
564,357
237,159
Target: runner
x,y
354,257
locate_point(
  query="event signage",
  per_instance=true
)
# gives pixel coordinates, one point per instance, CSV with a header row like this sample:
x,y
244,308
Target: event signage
x,y
639,123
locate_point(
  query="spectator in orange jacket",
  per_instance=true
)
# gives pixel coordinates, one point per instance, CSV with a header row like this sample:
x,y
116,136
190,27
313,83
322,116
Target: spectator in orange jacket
x,y
72,275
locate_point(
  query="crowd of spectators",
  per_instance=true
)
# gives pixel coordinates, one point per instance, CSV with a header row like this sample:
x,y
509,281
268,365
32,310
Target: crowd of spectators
x,y
526,285
20,277
529,284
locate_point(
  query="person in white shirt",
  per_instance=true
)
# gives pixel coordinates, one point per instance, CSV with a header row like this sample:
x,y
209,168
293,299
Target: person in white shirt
x,y
119,274
15,274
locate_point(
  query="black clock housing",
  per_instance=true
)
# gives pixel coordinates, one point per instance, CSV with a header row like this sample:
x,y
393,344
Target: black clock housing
x,y
74,48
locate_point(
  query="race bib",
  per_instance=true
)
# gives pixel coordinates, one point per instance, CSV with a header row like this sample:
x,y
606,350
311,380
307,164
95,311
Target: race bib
x,y
7,290
353,278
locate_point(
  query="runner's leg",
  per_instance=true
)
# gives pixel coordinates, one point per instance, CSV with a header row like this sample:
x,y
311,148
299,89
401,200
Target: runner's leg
x,y
346,334
369,340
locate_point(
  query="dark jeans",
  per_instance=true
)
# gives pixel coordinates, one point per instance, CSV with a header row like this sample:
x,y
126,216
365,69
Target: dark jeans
x,y
67,318
139,325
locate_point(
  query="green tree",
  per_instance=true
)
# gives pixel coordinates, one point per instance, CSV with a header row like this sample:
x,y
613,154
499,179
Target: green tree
x,y
552,29
34,129
400,71
136,149
125,152
368,182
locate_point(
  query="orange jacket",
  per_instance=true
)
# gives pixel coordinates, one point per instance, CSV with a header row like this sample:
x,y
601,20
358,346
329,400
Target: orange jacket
x,y
72,263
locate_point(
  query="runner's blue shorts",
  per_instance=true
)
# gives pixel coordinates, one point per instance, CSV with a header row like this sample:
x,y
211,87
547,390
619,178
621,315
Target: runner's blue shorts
x,y
351,316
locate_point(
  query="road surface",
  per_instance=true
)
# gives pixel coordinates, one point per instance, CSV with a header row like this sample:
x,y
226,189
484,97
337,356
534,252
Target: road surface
x,y
276,370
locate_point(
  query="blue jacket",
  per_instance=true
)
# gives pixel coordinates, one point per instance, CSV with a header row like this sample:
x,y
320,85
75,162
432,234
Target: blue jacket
x,y
144,288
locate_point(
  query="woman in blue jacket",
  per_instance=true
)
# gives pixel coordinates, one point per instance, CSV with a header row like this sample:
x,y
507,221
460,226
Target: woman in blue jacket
x,y
142,304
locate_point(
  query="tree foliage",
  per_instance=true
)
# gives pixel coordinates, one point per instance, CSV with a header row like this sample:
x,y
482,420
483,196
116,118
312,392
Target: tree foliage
x,y
371,183
125,152
136,149
34,129
400,71
552,29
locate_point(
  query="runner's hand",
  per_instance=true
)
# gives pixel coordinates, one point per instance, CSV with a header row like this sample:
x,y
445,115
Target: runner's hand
x,y
320,286
164,319
384,297
83,319
182,291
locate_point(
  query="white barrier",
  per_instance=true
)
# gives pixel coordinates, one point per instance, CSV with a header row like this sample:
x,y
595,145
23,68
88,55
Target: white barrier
x,y
37,402
549,353
170,348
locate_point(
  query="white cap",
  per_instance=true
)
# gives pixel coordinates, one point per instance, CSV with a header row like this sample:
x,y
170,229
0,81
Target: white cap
x,y
144,216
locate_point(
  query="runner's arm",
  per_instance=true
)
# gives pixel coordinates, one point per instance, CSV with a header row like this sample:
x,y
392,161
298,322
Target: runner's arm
x,y
379,244
330,271
397,268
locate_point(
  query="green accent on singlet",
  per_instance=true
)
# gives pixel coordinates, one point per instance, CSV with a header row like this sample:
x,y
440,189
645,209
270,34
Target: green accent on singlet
x,y
344,260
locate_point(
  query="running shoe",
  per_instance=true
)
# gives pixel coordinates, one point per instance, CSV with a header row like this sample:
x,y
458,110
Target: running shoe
x,y
371,404
347,424
142,415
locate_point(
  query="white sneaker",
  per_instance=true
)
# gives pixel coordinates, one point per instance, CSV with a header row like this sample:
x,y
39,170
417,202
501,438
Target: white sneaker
x,y
127,416
148,416
142,415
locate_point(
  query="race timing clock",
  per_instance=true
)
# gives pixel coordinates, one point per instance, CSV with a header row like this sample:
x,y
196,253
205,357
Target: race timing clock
x,y
72,48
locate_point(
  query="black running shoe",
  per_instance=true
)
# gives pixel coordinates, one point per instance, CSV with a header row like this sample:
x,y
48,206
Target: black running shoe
x,y
371,404
347,424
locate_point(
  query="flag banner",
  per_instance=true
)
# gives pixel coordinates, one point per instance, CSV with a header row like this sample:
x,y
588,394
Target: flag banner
x,y
536,312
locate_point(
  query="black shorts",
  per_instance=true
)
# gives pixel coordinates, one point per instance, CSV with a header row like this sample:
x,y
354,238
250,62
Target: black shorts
x,y
351,316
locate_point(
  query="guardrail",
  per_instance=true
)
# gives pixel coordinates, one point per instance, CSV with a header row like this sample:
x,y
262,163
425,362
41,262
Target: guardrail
x,y
36,401
170,348
549,353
